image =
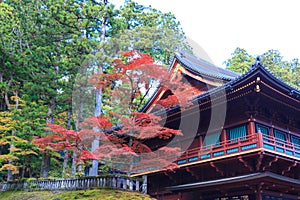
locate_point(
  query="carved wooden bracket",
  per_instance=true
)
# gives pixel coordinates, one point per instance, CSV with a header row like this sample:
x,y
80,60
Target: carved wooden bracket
x,y
245,163
270,163
294,164
170,177
259,161
212,164
192,173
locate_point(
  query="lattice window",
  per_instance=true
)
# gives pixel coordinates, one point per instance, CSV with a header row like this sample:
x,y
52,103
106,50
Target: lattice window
x,y
295,140
279,134
263,129
237,132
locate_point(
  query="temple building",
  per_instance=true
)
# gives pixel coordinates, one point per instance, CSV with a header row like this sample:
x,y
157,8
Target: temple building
x,y
241,136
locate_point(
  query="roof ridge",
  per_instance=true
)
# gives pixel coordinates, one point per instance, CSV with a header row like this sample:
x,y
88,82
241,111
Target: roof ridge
x,y
201,59
195,63
258,64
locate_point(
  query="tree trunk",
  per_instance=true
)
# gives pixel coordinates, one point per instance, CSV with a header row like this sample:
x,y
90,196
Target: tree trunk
x,y
73,168
66,152
96,143
45,166
23,171
9,174
94,169
98,105
46,158
66,160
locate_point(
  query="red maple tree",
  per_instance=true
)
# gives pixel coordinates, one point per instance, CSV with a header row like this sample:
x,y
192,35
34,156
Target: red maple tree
x,y
124,130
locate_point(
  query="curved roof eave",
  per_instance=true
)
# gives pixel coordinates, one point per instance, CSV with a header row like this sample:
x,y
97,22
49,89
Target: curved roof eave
x,y
202,67
256,68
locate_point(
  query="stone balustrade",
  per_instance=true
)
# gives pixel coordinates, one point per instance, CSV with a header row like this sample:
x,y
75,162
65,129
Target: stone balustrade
x,y
113,182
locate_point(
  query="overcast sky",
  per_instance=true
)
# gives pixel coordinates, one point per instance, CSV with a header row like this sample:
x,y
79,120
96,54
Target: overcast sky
x,y
219,26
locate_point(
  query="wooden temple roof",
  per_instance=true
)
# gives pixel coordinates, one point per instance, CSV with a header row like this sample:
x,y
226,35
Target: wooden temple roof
x,y
202,67
231,80
196,68
257,76
260,77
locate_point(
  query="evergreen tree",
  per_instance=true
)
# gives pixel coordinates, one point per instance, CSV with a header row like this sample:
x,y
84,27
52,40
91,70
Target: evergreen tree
x,y
287,71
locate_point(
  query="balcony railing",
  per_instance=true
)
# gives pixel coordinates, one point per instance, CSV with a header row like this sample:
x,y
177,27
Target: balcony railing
x,y
280,146
239,145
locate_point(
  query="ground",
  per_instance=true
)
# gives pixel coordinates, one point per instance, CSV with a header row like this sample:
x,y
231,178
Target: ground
x,y
97,194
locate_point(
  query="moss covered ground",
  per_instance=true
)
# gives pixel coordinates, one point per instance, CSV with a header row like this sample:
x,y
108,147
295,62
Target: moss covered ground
x,y
96,194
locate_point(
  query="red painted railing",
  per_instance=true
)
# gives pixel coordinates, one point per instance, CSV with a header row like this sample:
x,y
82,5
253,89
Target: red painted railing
x,y
239,145
281,146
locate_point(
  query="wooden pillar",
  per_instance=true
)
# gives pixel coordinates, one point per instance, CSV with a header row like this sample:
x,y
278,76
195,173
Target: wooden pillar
x,y
272,131
258,195
201,141
223,136
251,128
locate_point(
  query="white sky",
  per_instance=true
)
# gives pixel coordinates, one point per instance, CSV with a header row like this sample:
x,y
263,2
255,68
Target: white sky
x,y
219,26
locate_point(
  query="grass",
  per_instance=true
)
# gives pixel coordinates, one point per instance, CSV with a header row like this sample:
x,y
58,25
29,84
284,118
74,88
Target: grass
x,y
96,194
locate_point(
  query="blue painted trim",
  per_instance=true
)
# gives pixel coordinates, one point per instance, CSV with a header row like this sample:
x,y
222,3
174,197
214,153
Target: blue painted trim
x,y
289,152
269,146
249,146
218,153
205,156
179,162
193,159
281,150
233,150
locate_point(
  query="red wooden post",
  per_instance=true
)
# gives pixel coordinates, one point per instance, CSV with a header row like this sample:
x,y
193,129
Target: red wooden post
x,y
223,136
251,127
260,139
201,139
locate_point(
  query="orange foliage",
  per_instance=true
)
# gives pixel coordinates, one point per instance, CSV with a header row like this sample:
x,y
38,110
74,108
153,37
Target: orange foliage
x,y
135,126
